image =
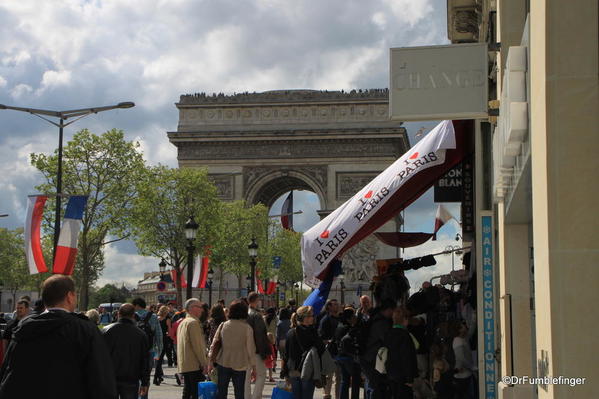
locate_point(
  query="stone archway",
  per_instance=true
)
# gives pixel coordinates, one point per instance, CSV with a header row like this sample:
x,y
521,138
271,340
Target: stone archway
x,y
257,146
265,187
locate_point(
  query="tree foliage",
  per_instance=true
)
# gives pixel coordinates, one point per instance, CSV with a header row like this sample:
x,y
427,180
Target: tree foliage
x,y
286,244
109,293
167,198
104,167
14,273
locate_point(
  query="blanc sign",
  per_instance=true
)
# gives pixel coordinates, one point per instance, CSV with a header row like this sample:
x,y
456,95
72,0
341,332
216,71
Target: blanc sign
x,y
438,82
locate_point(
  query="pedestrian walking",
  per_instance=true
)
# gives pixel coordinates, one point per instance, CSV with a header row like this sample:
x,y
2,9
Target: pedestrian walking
x,y
129,350
234,351
57,343
148,322
21,311
217,316
165,325
191,349
256,321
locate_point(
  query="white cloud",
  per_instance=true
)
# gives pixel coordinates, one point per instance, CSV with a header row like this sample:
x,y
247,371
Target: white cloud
x,y
74,54
52,79
20,90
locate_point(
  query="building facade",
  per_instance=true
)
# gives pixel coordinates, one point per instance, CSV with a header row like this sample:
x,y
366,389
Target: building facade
x,y
543,138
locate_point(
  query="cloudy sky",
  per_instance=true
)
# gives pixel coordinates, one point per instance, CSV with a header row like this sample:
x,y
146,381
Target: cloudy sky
x,y
66,54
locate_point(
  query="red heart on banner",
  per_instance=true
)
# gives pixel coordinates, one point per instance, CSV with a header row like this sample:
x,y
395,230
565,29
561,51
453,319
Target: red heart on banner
x,y
368,194
325,234
414,156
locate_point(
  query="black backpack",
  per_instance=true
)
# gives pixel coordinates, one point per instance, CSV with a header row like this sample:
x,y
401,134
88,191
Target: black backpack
x,y
144,325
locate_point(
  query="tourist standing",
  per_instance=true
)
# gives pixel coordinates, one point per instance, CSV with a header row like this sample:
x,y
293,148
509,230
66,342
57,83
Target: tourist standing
x,y
21,311
256,321
401,362
191,349
237,352
217,316
301,338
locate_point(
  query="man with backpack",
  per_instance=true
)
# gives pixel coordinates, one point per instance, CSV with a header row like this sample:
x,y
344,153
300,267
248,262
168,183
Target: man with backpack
x,y
149,324
371,338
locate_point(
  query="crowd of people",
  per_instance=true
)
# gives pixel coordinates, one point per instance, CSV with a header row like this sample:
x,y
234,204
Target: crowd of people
x,y
421,348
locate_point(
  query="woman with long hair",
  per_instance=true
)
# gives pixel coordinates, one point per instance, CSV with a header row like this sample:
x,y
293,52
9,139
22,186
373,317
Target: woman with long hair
x,y
165,324
217,316
234,349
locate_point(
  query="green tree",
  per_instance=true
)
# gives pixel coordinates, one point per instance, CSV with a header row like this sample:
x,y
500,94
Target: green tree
x,y
104,167
239,224
167,198
14,272
286,244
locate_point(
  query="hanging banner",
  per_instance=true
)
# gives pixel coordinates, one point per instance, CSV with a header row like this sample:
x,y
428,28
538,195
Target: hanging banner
x,y
384,197
488,306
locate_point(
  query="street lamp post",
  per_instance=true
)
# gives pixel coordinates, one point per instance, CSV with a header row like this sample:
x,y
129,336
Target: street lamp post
x,y
210,275
191,229
62,123
253,252
342,286
162,267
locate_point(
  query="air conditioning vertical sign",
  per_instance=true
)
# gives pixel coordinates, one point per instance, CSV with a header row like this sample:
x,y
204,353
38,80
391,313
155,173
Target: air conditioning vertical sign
x,y
488,306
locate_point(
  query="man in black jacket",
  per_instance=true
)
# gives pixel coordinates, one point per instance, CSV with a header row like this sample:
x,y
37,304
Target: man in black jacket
x,y
57,354
380,323
128,346
401,357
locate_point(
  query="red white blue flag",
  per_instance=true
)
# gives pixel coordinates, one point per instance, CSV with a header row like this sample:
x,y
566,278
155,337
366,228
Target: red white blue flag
x,y
33,246
287,212
66,251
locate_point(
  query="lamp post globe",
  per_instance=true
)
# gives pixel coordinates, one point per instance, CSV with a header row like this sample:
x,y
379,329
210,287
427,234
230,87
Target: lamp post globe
x,y
162,268
210,275
191,229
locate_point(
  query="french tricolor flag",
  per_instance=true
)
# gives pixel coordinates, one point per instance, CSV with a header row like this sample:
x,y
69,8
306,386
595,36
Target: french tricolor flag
x,y
66,251
33,246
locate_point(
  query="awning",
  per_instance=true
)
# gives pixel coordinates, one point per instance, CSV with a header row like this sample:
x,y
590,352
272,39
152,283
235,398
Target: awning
x,y
384,197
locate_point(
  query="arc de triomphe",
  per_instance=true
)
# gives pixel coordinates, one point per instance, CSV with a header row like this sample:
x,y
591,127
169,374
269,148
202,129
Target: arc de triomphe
x,y
257,146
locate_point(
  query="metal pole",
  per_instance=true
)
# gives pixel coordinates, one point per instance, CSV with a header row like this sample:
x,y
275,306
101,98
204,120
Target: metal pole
x,y
210,293
190,249
253,273
58,190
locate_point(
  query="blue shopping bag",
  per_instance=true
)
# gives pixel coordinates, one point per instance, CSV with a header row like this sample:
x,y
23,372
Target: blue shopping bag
x,y
278,393
206,390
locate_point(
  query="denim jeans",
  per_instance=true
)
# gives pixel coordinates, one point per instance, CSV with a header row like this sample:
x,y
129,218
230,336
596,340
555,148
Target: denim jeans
x,y
302,389
224,375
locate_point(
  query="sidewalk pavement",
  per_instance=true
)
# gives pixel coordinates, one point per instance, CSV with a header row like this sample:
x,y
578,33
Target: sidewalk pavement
x,y
170,390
